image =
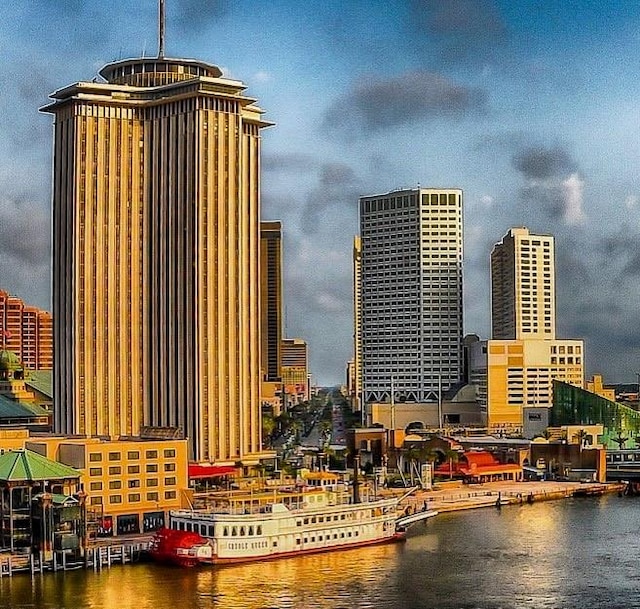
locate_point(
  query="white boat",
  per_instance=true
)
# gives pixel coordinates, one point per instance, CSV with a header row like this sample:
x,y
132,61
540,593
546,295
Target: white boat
x,y
301,520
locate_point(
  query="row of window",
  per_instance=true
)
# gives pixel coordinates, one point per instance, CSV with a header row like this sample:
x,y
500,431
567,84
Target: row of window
x,y
132,455
116,470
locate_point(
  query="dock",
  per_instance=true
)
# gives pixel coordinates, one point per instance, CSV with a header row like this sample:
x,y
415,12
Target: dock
x,y
96,558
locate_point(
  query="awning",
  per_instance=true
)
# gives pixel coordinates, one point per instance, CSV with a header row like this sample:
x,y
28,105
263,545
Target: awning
x,y
198,470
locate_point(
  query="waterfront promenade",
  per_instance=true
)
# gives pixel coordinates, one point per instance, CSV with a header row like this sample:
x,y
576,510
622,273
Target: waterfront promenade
x,y
448,497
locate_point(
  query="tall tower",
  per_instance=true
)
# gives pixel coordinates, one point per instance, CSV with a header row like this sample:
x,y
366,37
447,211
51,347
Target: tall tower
x,y
156,204
411,293
523,292
271,299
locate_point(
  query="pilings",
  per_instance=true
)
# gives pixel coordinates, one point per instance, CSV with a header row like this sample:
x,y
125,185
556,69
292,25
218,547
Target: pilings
x,y
95,557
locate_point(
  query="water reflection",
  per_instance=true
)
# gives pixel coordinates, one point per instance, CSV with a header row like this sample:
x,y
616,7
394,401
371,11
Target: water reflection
x,y
574,553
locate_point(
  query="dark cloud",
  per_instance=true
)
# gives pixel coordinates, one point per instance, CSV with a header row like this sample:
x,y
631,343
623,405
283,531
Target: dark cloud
x,y
338,190
25,233
295,162
540,163
465,29
374,104
195,16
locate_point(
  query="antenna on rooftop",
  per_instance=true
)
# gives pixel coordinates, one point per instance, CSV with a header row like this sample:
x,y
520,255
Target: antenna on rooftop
x,y
161,19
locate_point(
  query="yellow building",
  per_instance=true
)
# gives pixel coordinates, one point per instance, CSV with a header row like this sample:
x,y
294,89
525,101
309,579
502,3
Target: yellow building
x,y
595,385
513,374
131,483
156,206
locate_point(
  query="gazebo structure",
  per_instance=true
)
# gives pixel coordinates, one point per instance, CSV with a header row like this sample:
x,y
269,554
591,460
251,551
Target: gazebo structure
x,y
41,503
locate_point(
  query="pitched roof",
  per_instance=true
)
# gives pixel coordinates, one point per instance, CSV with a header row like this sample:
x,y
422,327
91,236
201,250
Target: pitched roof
x,y
11,409
26,465
42,381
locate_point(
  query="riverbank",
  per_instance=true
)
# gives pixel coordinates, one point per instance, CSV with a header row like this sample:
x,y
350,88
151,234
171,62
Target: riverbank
x,y
450,498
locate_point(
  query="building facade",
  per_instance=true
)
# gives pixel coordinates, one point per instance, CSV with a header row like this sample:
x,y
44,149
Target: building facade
x,y
523,286
26,331
295,370
515,370
411,294
156,204
271,301
511,375
355,384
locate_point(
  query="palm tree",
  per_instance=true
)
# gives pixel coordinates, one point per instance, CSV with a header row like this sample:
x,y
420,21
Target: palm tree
x,y
453,456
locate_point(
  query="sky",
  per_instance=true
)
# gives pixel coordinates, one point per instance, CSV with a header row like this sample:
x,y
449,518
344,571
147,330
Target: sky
x,y
531,107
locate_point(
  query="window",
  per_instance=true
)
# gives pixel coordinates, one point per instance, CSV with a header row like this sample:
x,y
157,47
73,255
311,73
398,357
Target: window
x,y
169,494
115,484
152,454
95,457
133,497
169,467
169,453
133,454
115,470
114,456
152,496
170,481
134,483
152,482
95,500
95,486
95,471
152,467
115,498
133,469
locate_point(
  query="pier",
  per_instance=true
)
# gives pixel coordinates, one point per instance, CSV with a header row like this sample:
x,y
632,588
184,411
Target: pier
x,y
96,557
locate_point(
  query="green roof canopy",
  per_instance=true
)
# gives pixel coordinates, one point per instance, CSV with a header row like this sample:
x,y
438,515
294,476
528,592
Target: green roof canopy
x,y
26,465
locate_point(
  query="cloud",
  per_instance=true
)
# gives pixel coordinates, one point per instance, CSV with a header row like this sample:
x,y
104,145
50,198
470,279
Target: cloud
x,y
572,189
337,190
466,29
289,161
552,182
377,104
540,163
195,16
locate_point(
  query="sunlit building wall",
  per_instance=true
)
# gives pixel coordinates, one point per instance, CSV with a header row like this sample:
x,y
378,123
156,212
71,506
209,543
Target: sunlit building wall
x,y
156,205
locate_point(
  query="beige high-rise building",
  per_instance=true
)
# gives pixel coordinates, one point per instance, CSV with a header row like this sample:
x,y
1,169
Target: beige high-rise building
x,y
156,206
523,286
515,370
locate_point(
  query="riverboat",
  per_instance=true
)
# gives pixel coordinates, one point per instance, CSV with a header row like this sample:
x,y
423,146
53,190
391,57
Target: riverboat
x,y
317,517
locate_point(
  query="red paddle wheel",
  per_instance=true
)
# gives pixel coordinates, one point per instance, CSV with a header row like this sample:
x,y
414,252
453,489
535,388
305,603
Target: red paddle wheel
x,y
181,548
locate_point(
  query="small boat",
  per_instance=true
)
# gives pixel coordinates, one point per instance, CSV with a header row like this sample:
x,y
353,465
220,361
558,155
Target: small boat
x,y
180,548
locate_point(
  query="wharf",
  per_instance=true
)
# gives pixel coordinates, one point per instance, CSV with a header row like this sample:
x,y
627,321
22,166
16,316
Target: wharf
x,y
96,557
451,499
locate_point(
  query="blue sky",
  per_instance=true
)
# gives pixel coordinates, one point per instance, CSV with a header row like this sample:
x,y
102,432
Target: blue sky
x,y
531,107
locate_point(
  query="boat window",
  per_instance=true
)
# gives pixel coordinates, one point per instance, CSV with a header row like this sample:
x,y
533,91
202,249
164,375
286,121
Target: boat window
x,y
306,521
341,516
275,544
313,520
242,532
234,532
210,530
298,542
188,526
298,523
181,526
321,519
225,532
259,529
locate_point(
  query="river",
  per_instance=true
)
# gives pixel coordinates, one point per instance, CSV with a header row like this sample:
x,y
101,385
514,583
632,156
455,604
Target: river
x,y
580,553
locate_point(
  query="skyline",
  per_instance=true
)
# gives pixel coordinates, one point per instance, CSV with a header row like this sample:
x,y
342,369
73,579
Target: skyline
x,y
528,109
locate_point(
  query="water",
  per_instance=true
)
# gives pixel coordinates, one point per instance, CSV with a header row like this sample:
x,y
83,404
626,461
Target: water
x,y
573,553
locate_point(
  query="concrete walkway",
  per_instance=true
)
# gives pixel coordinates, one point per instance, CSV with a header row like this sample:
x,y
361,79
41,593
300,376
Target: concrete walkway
x,y
467,497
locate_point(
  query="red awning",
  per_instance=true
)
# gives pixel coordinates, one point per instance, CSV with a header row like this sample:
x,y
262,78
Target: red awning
x,y
197,470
